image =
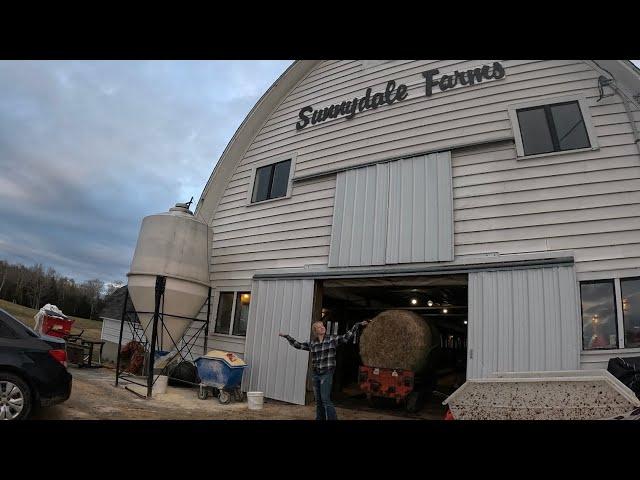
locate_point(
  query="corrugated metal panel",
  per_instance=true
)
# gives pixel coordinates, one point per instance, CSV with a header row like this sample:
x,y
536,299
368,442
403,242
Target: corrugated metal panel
x,y
273,366
523,320
358,235
420,225
395,212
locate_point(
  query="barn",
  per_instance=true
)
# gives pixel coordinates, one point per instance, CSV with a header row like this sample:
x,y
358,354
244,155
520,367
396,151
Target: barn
x,y
498,198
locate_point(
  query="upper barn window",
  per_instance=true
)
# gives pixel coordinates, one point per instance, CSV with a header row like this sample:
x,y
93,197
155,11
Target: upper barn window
x,y
549,126
271,181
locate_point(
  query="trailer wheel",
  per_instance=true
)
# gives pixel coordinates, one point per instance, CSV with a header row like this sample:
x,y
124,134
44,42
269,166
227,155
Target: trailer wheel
x,y
224,397
238,395
414,402
203,393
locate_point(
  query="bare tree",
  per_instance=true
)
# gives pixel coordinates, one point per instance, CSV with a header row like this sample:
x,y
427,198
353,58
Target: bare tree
x,y
21,278
4,269
93,289
112,287
36,284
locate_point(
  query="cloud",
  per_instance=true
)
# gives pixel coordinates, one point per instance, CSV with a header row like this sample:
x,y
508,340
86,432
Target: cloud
x,y
87,149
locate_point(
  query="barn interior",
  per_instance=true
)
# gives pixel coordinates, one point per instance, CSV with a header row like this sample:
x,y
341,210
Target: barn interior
x,y
439,300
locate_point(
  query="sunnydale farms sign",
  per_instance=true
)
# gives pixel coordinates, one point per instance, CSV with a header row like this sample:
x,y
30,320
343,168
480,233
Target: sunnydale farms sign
x,y
397,93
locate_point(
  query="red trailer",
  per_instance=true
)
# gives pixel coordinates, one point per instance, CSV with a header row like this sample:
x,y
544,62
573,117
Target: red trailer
x,y
395,384
56,326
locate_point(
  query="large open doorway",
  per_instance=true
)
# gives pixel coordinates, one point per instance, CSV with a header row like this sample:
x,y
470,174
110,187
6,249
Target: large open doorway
x,y
439,300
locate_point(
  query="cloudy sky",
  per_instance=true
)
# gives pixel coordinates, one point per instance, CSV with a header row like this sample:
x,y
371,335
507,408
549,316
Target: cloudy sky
x,y
87,149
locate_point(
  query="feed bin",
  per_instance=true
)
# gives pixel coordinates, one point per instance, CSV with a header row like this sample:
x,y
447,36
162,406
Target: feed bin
x,y
220,372
174,245
563,395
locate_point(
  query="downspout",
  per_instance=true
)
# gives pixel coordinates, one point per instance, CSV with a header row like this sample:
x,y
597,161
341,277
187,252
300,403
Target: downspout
x,y
610,82
625,102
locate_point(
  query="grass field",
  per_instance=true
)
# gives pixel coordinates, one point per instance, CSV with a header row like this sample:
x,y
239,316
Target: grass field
x,y
91,328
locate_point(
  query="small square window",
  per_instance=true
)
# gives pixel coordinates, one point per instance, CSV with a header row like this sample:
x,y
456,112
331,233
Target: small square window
x,y
534,128
553,127
569,126
599,319
271,181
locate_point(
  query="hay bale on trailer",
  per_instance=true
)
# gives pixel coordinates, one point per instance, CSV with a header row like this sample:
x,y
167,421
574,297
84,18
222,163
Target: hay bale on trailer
x,y
398,339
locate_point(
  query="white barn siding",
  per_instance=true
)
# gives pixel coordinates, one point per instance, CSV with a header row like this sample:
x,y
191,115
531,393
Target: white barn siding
x,y
586,203
588,206
500,204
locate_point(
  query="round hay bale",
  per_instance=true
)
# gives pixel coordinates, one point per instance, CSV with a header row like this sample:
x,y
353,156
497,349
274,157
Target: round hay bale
x,y
397,339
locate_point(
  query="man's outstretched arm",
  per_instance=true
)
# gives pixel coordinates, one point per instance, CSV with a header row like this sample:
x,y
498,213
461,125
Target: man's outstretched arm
x,y
294,343
345,337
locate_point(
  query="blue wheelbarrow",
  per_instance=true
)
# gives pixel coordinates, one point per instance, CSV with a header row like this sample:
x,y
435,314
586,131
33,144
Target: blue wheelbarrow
x,y
220,375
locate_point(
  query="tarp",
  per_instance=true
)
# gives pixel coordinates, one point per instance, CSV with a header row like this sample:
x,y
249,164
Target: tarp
x,y
48,310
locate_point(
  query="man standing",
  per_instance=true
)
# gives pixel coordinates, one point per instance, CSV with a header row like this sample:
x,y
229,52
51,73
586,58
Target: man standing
x,y
323,363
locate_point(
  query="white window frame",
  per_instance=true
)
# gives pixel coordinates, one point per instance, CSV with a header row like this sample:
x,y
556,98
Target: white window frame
x,y
584,111
619,318
264,163
235,291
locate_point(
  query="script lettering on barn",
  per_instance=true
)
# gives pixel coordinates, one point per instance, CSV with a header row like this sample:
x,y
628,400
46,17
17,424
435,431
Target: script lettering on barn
x,y
350,108
460,79
433,83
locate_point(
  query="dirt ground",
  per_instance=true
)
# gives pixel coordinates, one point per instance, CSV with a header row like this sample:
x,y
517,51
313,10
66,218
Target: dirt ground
x,y
94,397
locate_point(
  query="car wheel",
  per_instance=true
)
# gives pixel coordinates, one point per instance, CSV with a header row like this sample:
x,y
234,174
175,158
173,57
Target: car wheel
x,y
15,397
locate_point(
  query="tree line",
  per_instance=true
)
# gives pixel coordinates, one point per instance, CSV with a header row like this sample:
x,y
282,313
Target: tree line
x,y
36,286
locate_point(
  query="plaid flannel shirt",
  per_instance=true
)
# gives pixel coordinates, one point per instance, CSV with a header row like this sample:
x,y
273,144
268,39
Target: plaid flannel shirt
x,y
323,354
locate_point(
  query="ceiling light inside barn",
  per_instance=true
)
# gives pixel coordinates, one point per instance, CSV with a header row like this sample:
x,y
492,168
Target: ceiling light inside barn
x,y
444,310
465,322
430,303
414,301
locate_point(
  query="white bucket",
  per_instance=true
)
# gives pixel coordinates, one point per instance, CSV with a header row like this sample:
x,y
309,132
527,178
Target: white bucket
x,y
255,400
160,384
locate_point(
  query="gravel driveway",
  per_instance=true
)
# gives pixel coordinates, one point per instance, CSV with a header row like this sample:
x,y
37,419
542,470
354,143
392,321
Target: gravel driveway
x,y
94,397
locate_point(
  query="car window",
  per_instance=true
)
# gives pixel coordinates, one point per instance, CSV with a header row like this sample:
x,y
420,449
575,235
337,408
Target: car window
x,y
16,325
6,331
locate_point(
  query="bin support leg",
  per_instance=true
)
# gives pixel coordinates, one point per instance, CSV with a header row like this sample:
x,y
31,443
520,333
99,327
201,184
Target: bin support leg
x,y
160,284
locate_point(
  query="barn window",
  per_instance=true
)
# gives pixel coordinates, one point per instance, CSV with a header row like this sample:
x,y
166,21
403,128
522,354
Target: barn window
x,y
271,181
599,322
546,127
233,313
630,292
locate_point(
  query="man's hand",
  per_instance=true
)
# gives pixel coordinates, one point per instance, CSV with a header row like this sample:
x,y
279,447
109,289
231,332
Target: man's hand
x,y
282,334
364,323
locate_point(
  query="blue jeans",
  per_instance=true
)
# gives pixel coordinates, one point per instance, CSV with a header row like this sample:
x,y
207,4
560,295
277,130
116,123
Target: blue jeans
x,y
322,390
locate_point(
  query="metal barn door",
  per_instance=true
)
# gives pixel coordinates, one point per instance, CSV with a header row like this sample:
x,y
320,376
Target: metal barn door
x,y
396,212
523,320
273,366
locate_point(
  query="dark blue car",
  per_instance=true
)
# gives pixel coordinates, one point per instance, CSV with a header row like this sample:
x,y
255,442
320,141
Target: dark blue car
x,y
33,369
